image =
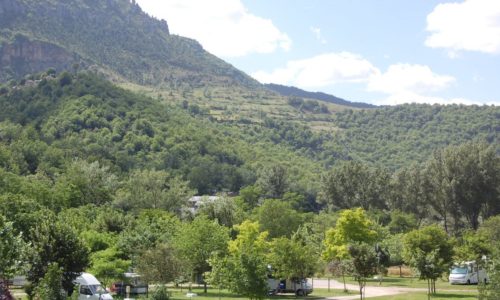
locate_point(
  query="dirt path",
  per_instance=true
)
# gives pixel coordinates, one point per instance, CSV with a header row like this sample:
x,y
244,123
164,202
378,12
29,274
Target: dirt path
x,y
370,291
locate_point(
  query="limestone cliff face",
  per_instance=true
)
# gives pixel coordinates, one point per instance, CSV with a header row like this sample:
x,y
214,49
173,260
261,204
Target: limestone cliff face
x,y
24,56
115,36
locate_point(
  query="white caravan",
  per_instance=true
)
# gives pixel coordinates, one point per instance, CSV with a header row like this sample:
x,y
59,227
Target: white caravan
x,y
89,288
467,273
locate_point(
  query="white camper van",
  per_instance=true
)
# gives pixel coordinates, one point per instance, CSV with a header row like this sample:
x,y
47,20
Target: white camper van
x,y
467,273
89,288
299,287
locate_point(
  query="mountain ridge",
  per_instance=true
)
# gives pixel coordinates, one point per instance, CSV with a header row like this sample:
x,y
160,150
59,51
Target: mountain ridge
x,y
111,35
297,92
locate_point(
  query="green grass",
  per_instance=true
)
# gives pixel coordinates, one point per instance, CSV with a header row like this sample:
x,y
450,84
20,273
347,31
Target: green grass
x,y
412,282
423,296
214,294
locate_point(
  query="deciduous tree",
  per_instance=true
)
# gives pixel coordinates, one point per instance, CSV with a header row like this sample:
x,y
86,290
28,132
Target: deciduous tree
x,y
430,251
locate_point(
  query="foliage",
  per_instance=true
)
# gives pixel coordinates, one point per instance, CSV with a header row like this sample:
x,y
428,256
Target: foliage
x,y
292,258
274,181
278,218
159,265
467,177
198,241
225,210
53,242
364,261
12,249
109,264
354,184
401,222
430,251
244,269
160,293
353,226
153,189
50,286
150,228
491,290
396,136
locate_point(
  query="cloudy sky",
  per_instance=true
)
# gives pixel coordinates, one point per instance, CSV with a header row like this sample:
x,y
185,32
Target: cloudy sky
x,y
377,51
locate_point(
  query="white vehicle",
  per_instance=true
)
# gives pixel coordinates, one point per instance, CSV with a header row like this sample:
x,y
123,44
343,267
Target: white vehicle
x,y
89,288
299,287
467,273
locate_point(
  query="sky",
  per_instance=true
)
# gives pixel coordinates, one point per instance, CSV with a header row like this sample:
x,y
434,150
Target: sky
x,y
384,52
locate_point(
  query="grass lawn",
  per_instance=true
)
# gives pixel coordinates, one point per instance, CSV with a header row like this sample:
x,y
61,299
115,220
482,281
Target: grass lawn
x,y
214,294
438,296
412,282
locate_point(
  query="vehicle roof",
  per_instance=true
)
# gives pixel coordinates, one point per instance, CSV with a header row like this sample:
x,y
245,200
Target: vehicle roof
x,y
87,278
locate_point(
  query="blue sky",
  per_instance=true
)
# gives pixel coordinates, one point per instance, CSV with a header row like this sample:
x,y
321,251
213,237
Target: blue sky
x,y
377,51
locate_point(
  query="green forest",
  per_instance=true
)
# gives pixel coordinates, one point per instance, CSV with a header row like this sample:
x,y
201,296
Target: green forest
x,y
107,174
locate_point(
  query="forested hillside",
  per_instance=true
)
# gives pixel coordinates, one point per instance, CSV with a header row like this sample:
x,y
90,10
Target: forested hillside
x,y
46,126
395,136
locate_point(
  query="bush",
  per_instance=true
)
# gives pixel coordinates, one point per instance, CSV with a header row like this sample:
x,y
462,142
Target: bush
x,y
50,287
161,293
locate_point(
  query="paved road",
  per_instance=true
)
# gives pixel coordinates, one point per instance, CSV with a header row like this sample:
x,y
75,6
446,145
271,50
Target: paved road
x,y
370,291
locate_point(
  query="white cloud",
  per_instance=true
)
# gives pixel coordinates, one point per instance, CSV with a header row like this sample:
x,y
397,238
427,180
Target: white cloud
x,y
224,27
407,83
472,25
321,71
317,34
407,78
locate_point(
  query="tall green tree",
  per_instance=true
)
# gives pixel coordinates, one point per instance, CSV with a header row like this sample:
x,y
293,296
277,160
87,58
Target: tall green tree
x,y
410,192
364,262
12,249
467,177
53,242
292,258
355,184
430,251
278,218
274,180
351,238
160,265
225,210
244,269
198,240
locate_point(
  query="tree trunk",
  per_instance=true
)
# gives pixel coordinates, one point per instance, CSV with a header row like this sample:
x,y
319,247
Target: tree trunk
x,y
343,279
428,289
400,272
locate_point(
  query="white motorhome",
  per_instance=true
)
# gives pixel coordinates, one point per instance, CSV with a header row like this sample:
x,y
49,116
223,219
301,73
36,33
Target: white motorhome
x,y
467,273
89,288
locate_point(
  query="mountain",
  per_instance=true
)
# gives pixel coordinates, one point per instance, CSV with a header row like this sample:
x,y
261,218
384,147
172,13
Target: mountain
x,y
293,91
114,37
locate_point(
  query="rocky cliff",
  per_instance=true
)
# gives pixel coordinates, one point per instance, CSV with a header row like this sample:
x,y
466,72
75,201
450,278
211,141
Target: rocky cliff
x,y
115,35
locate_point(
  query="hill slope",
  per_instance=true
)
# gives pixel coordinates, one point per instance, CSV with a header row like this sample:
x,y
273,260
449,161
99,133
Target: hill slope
x,y
114,36
293,91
